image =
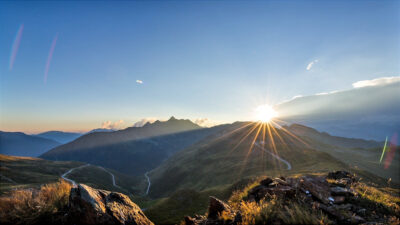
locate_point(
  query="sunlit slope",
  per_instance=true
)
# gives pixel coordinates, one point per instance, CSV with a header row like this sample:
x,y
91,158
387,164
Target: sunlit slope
x,y
239,154
27,172
134,157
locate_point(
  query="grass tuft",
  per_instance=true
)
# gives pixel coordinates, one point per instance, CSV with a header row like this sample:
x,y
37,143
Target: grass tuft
x,y
30,206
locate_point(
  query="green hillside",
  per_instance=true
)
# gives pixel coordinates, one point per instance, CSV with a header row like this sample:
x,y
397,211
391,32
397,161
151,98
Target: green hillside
x,y
27,172
227,159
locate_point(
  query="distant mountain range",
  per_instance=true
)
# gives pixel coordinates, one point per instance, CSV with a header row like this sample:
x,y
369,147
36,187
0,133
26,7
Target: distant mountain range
x,y
59,136
99,130
65,137
134,150
20,144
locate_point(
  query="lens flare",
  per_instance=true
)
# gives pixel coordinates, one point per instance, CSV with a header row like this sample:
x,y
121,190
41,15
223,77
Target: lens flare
x,y
15,46
384,149
391,152
50,56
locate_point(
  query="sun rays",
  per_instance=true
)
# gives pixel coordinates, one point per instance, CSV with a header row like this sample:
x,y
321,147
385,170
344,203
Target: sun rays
x,y
267,137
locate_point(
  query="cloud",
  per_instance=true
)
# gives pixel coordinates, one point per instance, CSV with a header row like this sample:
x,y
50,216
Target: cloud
x,y
205,122
143,121
139,81
112,125
371,109
311,64
297,96
376,82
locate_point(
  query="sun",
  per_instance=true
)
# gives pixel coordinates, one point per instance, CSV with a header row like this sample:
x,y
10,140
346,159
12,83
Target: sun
x,y
264,113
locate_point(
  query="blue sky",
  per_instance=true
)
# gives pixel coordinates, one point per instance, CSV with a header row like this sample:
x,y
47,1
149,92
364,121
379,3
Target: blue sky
x,y
197,59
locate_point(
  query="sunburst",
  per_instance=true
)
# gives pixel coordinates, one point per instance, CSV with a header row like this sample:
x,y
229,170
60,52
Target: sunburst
x,y
265,113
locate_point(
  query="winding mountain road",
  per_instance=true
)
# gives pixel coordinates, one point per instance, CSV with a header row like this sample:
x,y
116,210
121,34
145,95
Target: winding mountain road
x,y
289,166
69,171
64,176
148,181
112,177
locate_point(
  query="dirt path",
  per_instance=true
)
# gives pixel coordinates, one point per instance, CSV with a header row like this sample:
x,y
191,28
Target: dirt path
x,y
148,181
289,166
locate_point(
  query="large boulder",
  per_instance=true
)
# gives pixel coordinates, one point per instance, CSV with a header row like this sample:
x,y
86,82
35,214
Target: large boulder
x,y
93,206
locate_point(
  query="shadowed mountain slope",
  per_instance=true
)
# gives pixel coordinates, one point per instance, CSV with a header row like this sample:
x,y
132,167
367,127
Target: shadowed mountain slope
x,y
157,128
59,136
20,144
139,149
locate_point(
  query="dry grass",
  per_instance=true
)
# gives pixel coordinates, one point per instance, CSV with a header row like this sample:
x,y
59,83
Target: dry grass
x,y
239,195
274,210
277,211
15,158
389,199
30,206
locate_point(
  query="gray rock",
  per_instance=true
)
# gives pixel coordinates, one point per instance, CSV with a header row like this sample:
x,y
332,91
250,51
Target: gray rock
x,y
92,206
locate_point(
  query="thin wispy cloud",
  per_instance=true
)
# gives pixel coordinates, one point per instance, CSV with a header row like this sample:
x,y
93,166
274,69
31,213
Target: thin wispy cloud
x,y
139,81
311,64
50,57
376,82
112,125
297,96
15,46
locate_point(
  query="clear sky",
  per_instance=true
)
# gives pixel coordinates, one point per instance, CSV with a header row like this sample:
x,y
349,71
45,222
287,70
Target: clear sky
x,y
74,65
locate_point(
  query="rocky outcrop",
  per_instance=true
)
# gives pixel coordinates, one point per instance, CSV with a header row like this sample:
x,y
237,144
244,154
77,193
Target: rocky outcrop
x,y
332,194
93,206
216,209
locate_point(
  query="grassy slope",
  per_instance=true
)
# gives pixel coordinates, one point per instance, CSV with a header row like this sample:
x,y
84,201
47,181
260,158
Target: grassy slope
x,y
209,167
27,172
185,202
222,161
